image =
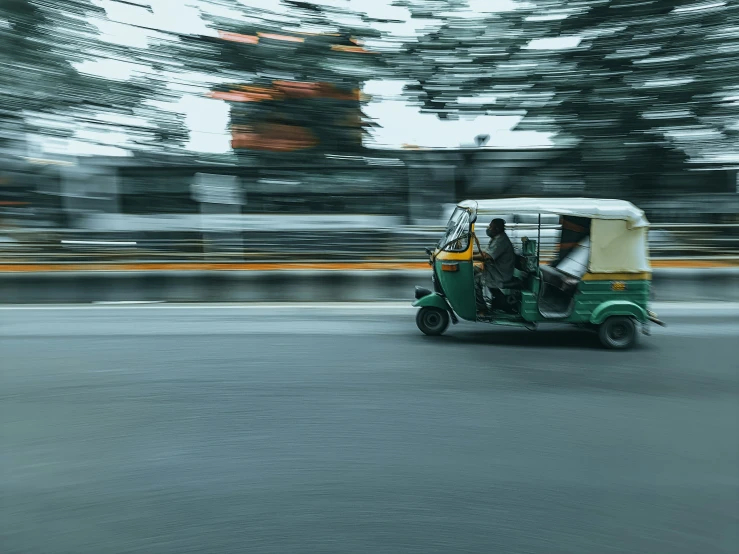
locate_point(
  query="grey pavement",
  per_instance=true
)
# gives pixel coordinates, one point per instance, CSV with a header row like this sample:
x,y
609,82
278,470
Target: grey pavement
x,y
342,429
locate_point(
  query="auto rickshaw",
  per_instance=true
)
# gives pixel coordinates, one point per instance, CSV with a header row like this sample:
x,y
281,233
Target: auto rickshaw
x,y
599,277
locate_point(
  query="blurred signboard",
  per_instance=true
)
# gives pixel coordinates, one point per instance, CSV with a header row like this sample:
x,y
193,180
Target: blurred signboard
x,y
212,188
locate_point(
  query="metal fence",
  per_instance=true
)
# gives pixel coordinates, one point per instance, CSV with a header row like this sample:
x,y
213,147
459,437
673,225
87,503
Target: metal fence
x,y
399,244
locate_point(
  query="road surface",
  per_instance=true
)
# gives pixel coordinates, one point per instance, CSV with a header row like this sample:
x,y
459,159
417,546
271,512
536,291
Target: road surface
x,y
288,429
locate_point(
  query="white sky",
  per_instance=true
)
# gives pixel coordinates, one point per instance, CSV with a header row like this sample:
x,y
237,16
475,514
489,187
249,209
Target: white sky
x,y
207,118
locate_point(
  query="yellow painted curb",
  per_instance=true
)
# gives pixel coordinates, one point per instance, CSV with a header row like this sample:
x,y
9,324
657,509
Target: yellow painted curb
x,y
698,264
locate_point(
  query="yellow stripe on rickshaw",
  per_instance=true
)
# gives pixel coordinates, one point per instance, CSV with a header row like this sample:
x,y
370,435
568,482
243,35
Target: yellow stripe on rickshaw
x,y
445,256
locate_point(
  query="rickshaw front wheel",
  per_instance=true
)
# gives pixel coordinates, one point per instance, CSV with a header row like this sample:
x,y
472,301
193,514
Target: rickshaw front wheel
x,y
618,333
432,321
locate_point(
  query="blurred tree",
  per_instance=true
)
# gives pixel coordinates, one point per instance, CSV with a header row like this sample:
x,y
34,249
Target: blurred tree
x,y
634,87
292,79
42,92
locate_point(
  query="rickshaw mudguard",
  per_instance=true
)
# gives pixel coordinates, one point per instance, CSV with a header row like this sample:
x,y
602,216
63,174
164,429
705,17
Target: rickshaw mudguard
x,y
433,300
618,308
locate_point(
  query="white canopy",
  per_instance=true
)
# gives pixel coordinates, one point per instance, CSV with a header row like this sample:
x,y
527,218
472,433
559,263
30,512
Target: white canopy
x,y
592,208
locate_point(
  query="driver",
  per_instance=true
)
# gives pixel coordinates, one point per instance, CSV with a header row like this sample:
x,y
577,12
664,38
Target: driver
x,y
499,260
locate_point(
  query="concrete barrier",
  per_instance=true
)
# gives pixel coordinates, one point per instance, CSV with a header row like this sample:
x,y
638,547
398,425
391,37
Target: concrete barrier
x,y
719,284
696,285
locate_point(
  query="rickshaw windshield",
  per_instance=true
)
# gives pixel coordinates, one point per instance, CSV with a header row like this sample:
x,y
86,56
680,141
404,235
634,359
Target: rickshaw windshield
x,y
456,237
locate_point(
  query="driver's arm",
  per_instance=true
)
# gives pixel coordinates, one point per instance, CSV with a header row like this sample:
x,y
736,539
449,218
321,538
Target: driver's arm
x,y
483,256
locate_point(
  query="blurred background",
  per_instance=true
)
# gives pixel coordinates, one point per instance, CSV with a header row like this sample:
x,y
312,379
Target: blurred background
x,y
171,130
168,169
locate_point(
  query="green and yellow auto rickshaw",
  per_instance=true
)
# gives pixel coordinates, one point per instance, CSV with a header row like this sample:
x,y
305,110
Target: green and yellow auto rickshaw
x,y
598,275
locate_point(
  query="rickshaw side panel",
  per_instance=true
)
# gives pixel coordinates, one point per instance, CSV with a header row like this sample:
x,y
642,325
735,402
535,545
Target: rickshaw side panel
x,y
458,285
593,293
597,290
530,306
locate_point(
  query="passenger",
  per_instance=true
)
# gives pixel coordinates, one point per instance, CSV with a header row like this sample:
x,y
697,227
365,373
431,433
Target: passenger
x,y
499,260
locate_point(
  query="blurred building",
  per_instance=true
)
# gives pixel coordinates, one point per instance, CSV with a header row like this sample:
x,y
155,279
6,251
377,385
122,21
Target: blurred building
x,y
411,186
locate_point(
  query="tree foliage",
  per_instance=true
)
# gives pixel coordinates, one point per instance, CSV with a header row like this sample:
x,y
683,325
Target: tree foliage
x,y
635,87
292,79
43,92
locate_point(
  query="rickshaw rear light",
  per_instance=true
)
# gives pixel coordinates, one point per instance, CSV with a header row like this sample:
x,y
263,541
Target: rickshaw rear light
x,y
449,267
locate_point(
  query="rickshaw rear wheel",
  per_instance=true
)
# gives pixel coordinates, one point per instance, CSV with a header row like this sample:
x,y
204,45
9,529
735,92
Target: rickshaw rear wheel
x,y
432,321
618,333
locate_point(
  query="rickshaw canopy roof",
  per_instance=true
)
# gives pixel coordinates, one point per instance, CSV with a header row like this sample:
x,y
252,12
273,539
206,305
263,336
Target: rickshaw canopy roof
x,y
591,208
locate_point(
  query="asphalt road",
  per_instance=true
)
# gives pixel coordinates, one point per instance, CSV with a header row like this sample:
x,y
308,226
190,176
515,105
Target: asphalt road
x,y
223,430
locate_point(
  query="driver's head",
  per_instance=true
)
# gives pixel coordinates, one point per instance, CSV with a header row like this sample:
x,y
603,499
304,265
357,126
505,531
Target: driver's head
x,y
496,227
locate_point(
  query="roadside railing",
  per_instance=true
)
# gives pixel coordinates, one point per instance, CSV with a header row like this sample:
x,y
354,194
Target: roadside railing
x,y
401,244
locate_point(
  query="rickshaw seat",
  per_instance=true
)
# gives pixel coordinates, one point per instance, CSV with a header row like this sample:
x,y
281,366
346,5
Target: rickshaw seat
x,y
513,284
559,280
521,262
